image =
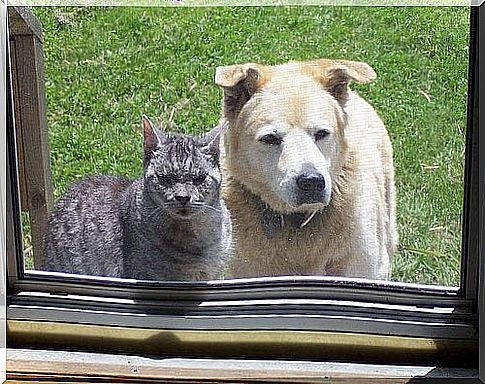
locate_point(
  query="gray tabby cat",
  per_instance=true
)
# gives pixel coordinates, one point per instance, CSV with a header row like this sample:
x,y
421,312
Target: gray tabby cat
x,y
169,225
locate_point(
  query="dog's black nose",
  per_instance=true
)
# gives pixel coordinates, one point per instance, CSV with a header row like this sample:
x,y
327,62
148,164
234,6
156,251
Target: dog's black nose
x,y
311,182
182,199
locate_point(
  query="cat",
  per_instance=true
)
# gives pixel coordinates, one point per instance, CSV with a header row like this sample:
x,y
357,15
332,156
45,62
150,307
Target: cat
x,y
169,225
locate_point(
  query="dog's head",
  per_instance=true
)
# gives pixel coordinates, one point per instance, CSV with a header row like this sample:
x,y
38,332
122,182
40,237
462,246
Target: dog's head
x,y
286,138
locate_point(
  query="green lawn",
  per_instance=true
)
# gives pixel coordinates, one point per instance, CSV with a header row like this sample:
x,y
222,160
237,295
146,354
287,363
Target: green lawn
x,y
107,66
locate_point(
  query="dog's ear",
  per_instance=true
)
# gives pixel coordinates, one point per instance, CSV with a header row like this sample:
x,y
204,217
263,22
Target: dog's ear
x,y
239,83
335,75
152,138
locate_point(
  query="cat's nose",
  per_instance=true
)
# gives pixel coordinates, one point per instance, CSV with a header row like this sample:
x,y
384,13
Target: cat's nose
x,y
182,199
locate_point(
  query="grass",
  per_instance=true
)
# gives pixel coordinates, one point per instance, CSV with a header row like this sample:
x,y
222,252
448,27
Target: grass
x,y
107,66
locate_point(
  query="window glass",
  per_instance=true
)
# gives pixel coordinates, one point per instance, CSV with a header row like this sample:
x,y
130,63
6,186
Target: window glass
x,y
313,181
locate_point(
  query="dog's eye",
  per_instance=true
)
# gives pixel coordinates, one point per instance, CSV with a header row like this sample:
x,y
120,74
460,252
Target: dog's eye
x,y
271,139
321,134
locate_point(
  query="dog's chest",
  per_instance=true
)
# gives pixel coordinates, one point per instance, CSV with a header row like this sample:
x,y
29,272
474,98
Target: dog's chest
x,y
272,244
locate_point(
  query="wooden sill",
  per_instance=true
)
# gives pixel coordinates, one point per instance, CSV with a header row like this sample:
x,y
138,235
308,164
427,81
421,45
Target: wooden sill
x,y
42,366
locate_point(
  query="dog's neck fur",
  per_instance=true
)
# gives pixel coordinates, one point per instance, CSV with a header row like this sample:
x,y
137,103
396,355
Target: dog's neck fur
x,y
272,221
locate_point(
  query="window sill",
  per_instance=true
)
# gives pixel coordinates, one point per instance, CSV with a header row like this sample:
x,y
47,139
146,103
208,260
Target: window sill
x,y
65,366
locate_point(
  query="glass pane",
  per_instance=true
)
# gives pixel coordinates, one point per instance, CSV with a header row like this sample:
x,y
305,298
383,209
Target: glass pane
x,y
289,141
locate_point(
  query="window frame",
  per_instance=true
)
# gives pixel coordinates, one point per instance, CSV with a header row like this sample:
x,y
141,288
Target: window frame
x,y
257,317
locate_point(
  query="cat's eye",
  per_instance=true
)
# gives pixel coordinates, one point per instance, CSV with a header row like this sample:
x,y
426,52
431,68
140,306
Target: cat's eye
x,y
271,139
321,134
199,179
166,180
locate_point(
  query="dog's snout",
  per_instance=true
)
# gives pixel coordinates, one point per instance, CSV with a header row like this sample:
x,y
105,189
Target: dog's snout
x,y
182,199
311,182
312,187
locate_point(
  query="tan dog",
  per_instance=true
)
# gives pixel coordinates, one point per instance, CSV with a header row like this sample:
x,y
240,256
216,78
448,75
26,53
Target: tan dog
x,y
309,176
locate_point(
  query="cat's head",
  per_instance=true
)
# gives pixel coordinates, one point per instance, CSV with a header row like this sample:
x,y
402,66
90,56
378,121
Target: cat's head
x,y
181,171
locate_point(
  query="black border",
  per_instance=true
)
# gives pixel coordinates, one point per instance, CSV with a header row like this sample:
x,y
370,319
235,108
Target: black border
x,y
470,199
480,89
13,199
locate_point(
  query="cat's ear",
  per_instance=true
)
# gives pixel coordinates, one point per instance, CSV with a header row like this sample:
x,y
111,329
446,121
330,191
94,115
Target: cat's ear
x,y
211,140
153,136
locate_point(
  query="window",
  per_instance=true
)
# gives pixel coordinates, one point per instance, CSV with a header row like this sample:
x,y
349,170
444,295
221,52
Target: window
x,y
421,87
416,319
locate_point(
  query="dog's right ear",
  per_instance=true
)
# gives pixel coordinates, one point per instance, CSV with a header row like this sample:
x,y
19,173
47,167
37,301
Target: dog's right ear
x,y
239,83
152,138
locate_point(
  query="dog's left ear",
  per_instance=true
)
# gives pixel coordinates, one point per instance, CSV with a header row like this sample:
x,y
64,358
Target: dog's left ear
x,y
210,141
336,76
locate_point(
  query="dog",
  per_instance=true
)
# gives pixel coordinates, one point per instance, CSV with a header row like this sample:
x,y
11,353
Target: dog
x,y
308,171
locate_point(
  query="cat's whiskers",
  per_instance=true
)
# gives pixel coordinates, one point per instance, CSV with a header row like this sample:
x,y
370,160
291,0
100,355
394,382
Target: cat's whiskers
x,y
206,206
156,213
197,204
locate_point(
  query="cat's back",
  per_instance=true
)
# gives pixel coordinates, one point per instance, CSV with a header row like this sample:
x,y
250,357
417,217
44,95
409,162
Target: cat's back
x,y
84,234
95,190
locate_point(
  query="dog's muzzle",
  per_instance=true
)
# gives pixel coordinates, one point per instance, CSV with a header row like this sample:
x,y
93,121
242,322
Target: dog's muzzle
x,y
311,188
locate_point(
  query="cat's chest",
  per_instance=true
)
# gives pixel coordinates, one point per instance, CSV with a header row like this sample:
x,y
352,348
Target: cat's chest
x,y
169,259
176,240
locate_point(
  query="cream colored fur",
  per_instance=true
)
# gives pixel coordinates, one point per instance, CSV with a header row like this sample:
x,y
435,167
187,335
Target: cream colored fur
x,y
353,232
